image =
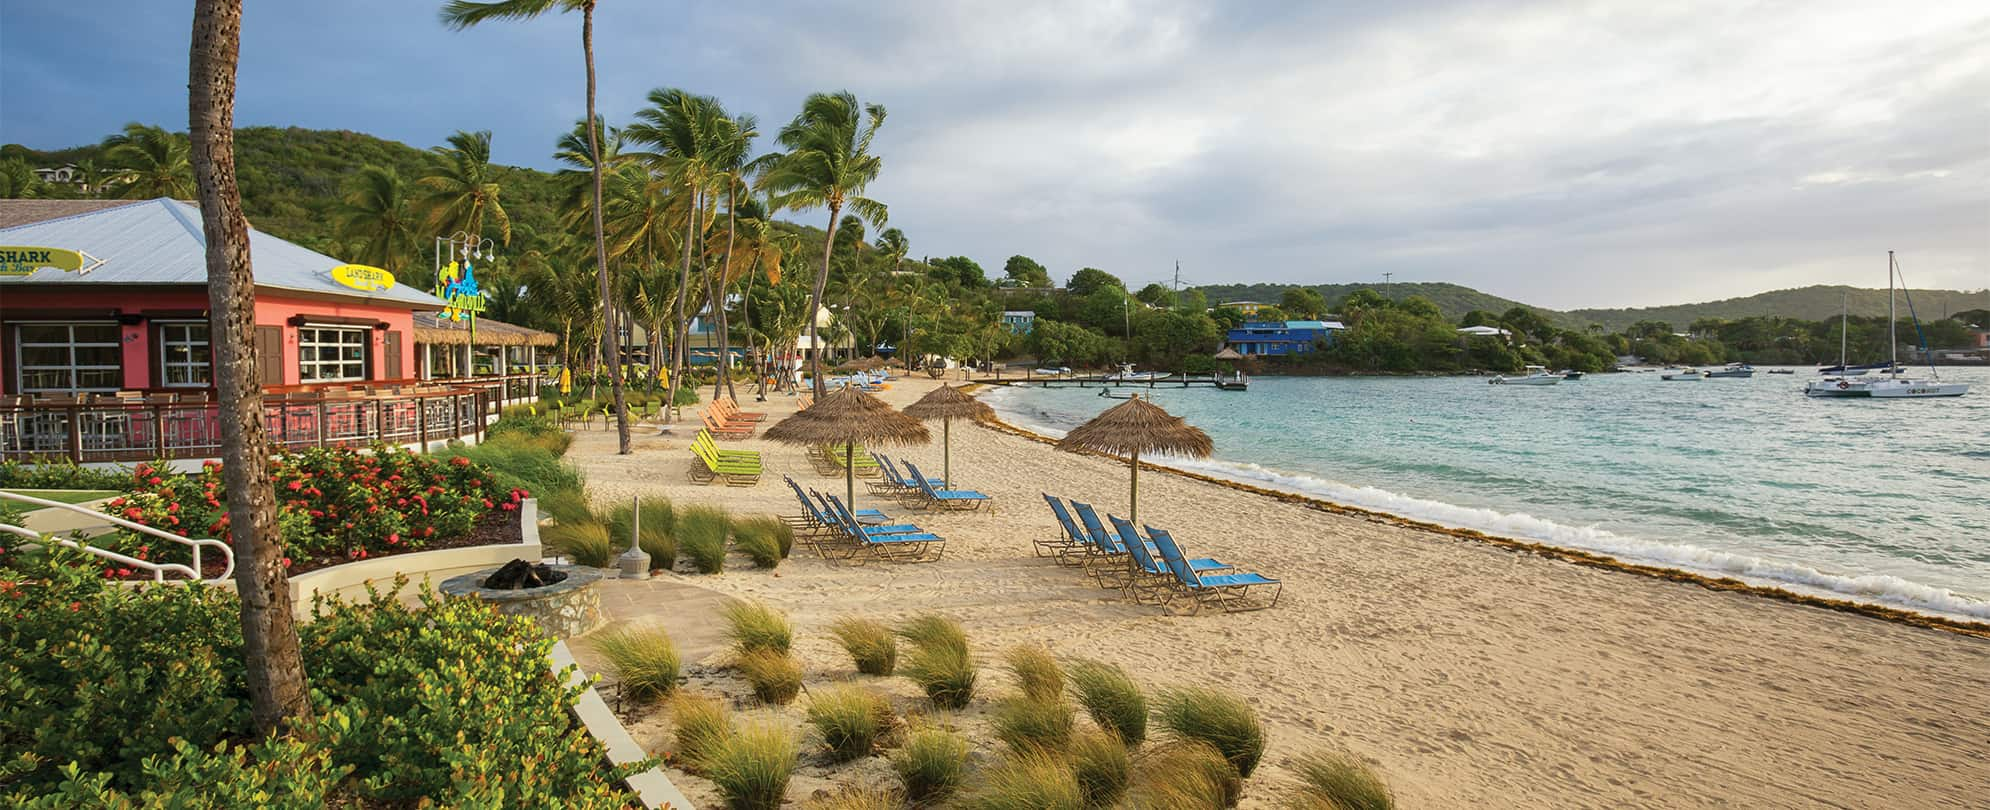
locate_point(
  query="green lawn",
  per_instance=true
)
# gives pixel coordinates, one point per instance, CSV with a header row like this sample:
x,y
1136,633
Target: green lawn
x,y
64,495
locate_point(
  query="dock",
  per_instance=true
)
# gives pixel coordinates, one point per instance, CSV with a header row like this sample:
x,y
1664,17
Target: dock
x,y
1216,381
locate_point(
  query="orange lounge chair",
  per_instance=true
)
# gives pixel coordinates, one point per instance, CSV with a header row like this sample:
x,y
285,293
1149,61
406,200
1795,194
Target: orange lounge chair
x,y
725,430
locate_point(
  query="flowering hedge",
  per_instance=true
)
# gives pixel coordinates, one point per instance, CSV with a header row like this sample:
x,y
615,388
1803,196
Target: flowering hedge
x,y
337,503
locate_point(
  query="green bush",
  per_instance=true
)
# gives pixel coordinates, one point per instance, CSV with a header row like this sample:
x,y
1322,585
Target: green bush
x,y
765,540
284,774
753,626
645,662
566,507
869,643
1218,718
1101,765
1184,775
1036,671
1112,698
752,767
701,535
940,661
931,763
931,630
584,542
659,526
60,475
1033,781
775,676
1027,724
526,461
1336,781
700,722
850,720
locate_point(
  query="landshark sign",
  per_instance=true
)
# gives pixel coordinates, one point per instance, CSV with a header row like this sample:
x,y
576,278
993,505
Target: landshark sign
x,y
21,261
363,278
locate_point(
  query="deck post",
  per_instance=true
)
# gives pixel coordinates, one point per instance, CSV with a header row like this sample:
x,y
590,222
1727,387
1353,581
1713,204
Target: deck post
x,y
75,432
421,421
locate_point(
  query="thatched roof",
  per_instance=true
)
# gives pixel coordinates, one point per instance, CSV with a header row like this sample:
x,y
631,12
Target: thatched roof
x,y
1138,426
429,328
849,415
1228,354
947,402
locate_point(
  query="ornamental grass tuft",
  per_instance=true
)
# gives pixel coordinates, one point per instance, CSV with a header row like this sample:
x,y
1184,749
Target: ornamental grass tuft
x,y
753,626
945,674
701,535
584,542
1036,671
931,763
701,722
858,799
1026,724
752,767
775,676
659,525
1112,698
1032,781
646,663
1184,775
931,630
870,644
565,506
850,720
1339,781
764,534
1103,768
1218,718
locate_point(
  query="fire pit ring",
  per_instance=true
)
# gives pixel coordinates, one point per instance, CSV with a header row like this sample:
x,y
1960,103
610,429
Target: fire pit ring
x,y
568,607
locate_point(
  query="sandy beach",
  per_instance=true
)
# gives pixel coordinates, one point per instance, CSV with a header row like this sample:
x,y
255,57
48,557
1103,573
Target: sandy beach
x,y
1471,675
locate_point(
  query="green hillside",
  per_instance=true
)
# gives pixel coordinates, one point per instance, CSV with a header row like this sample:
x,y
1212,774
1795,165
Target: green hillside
x,y
1454,300
1815,303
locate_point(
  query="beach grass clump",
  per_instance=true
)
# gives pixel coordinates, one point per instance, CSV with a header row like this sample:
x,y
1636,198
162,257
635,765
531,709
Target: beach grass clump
x,y
932,630
940,662
858,799
869,643
1339,781
646,663
760,541
1184,775
701,535
657,535
1036,671
1218,718
584,542
1031,781
700,723
1101,765
1112,698
753,626
565,506
850,720
776,677
931,763
752,767
1026,724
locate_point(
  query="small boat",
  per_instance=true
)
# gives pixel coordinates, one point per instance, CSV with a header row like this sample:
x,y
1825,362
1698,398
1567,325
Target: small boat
x,y
1683,374
1890,385
1782,371
1111,394
1571,374
1536,375
1127,374
1733,371
1235,382
1052,372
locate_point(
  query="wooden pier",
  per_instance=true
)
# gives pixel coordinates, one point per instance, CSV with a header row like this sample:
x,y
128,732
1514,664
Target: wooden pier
x,y
1109,381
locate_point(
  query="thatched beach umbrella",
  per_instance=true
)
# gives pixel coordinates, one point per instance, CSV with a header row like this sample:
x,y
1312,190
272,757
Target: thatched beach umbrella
x,y
1134,427
946,403
849,417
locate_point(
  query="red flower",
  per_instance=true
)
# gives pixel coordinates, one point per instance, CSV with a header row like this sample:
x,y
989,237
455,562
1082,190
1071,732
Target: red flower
x,y
173,508
317,514
75,606
460,461
154,481
134,513
394,539
510,506
295,485
286,562
488,504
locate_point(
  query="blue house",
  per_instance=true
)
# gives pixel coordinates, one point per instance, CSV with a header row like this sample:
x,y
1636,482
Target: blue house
x,y
1019,322
1274,338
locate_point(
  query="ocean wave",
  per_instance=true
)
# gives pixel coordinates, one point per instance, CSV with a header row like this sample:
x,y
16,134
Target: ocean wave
x,y
1884,589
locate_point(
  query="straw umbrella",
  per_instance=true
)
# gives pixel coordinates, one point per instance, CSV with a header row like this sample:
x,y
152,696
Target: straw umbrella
x,y
1134,427
849,417
946,403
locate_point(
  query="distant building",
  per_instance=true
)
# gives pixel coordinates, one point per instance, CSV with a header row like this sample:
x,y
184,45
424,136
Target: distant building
x,y
1484,331
1249,308
1276,338
1982,337
1019,322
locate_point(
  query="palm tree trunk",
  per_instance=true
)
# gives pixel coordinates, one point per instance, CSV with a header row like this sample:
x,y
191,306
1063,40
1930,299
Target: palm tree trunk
x,y
725,278
815,304
683,292
273,664
611,353
752,351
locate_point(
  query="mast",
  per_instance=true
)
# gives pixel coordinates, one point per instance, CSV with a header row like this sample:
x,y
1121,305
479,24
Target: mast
x,y
1892,344
1844,326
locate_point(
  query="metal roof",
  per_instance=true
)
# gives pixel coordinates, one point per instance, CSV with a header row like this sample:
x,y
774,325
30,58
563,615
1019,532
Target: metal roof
x,y
160,242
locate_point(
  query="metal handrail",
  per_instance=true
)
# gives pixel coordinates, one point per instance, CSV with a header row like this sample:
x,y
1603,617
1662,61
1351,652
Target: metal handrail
x,y
159,570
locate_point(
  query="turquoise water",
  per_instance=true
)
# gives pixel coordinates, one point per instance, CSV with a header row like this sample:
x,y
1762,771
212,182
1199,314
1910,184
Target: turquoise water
x,y
1884,501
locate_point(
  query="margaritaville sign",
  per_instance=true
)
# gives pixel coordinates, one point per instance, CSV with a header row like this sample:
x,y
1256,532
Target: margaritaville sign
x,y
20,261
457,286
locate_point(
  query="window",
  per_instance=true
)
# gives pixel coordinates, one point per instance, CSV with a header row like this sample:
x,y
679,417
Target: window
x,y
185,360
68,357
331,354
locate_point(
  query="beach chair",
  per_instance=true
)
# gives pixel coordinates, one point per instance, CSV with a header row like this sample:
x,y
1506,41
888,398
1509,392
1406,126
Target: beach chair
x,y
704,439
874,517
724,430
1149,578
1231,592
828,460
708,466
891,482
955,499
730,411
1072,546
900,543
1110,561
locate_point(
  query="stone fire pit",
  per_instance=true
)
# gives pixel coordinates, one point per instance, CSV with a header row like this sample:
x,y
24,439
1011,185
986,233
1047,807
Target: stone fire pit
x,y
568,607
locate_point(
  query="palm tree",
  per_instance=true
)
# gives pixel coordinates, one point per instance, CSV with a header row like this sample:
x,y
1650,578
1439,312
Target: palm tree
x,y
731,146
273,663
149,162
575,151
828,164
18,181
464,189
376,213
461,14
893,244
767,249
683,127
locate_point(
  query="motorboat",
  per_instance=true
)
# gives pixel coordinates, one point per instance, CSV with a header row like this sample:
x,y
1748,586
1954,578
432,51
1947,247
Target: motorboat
x,y
1892,384
1052,372
1127,374
1571,374
1536,375
1732,371
1682,374
1782,371
1235,382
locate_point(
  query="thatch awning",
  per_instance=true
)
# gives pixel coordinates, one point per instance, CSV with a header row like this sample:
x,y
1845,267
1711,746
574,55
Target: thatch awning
x,y
849,415
429,328
1134,427
947,402
1228,354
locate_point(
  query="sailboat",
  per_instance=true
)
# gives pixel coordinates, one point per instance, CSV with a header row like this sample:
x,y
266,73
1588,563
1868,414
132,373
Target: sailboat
x,y
1892,384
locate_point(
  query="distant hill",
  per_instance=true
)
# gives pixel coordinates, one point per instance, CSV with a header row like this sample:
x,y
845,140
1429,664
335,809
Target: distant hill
x,y
1453,299
1814,303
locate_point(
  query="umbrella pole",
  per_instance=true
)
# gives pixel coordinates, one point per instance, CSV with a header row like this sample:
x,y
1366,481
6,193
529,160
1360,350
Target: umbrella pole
x,y
850,475
947,453
1133,495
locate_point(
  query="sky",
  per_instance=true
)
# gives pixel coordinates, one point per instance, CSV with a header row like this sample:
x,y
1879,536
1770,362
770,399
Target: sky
x,y
1566,154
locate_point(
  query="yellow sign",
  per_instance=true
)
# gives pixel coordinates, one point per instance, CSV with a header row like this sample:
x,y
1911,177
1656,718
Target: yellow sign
x,y
363,278
21,261
566,381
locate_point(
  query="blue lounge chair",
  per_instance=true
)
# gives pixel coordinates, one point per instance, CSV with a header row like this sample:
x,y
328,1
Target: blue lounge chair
x,y
1228,591
1073,544
946,498
901,543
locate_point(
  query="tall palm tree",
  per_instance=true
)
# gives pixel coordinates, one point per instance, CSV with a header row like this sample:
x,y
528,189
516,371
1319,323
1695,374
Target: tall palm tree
x,y
732,146
464,188
375,212
828,164
682,126
575,151
149,162
461,14
893,244
273,663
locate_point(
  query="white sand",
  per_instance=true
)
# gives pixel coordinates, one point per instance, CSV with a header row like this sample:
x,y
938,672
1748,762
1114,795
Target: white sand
x,y
1471,676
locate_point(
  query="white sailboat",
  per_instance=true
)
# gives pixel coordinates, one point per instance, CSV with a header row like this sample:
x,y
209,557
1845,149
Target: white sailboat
x,y
1536,375
1892,384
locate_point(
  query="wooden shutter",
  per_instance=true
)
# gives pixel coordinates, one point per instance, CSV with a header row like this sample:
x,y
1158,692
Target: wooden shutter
x,y
269,354
392,346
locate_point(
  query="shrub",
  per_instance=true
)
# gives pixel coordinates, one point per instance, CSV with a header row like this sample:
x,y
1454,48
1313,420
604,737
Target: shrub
x,y
658,537
1343,782
645,662
775,676
760,539
1184,775
62,474
1036,672
869,643
1100,763
931,630
566,507
701,722
583,542
931,763
753,626
752,767
850,719
1216,717
701,535
283,774
1112,699
1027,724
1033,781
946,675
526,461
857,799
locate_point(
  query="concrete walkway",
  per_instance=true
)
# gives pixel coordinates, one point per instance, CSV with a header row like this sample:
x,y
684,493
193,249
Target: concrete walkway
x,y
689,613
